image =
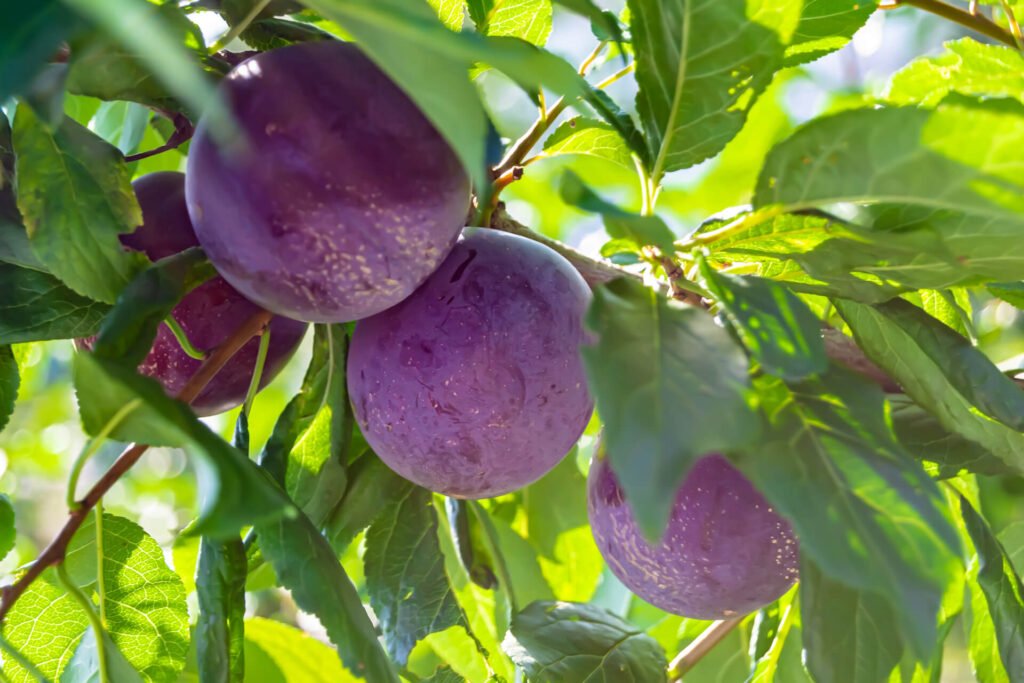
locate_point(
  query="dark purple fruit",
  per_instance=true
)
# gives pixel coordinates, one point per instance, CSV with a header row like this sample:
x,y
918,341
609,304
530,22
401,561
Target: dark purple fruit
x,y
473,386
725,552
208,314
344,199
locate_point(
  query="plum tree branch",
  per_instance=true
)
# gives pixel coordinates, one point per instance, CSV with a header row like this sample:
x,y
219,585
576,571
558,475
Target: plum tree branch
x,y
183,131
976,22
56,550
701,645
838,346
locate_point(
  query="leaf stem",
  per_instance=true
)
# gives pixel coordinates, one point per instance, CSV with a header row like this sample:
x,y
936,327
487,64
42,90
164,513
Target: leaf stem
x,y
93,446
532,136
94,620
702,644
738,225
101,581
238,28
183,341
54,553
257,372
504,575
975,22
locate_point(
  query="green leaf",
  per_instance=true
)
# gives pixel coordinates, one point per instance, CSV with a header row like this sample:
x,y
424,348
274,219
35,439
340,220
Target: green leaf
x,y
1003,590
445,675
128,331
965,368
220,627
308,451
864,511
554,504
936,369
967,67
850,635
590,137
145,606
774,637
982,649
451,12
233,491
620,224
373,486
306,565
84,666
959,162
529,20
278,653
700,65
106,67
8,534
564,642
604,24
10,379
122,124
926,438
14,245
781,332
157,40
825,26
1010,292
29,35
75,196
409,589
670,386
38,307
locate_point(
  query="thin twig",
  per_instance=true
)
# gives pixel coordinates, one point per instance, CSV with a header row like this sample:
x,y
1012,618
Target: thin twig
x,y
976,22
703,644
183,131
54,553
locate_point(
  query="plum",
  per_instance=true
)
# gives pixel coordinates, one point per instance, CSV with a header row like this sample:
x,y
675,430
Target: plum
x,y
337,199
208,314
473,386
725,552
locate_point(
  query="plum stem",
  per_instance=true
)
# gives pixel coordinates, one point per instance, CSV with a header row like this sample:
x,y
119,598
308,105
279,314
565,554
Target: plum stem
x,y
976,22
702,644
183,131
54,553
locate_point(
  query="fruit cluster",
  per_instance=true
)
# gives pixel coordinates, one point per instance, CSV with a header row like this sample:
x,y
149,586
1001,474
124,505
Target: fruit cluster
x,y
338,201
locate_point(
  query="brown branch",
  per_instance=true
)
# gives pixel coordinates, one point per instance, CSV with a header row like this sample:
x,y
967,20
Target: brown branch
x,y
976,22
704,643
54,553
838,346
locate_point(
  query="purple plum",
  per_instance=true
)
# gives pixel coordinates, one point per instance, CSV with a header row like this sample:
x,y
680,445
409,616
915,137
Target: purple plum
x,y
725,552
337,199
473,386
208,314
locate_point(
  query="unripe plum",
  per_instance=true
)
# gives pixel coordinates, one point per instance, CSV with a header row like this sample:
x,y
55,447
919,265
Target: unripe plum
x,y
208,314
473,386
337,199
725,551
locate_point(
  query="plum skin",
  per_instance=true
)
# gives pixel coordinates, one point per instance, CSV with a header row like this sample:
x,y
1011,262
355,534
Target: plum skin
x,y
473,386
338,199
208,314
725,552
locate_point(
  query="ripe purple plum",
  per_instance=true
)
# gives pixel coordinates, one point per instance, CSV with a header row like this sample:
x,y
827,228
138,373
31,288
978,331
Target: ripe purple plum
x,y
725,552
338,197
208,314
473,386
